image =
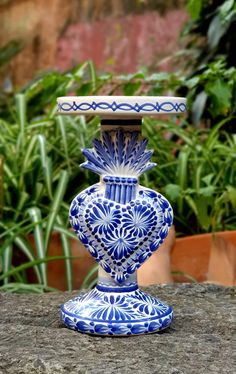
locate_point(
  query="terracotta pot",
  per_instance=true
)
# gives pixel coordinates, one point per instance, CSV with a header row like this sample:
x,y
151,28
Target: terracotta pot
x,y
190,255
157,269
206,257
81,264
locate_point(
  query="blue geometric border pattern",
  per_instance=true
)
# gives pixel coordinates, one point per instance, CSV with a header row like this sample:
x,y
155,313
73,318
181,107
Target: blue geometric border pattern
x,y
125,314
157,107
121,237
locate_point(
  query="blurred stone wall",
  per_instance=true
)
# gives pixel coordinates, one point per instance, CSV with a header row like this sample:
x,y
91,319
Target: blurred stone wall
x,y
119,35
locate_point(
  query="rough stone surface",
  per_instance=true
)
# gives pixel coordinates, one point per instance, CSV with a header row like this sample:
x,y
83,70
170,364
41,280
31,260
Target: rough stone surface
x,y
200,340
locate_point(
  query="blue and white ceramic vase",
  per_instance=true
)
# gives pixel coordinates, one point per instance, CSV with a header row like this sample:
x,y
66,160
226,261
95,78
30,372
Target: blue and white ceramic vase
x,y
120,222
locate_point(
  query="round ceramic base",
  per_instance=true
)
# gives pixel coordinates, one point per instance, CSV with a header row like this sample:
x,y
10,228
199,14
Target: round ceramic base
x,y
116,313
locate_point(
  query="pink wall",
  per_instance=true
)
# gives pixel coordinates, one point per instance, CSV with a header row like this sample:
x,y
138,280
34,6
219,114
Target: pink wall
x,y
122,44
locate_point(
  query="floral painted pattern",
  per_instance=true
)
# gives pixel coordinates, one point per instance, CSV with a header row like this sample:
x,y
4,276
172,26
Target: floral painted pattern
x,y
120,243
120,229
140,220
120,236
102,218
121,313
112,308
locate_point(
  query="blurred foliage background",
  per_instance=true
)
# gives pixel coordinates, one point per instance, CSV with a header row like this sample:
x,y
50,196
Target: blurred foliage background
x,y
40,152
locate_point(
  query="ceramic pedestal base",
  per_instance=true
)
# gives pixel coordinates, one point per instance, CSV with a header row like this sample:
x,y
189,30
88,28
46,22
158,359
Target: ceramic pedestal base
x,y
110,311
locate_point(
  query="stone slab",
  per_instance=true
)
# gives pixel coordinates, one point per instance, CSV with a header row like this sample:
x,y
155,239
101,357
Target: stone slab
x,y
201,339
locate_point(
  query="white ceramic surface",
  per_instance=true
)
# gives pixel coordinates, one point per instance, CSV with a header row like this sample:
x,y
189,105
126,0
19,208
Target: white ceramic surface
x,y
121,106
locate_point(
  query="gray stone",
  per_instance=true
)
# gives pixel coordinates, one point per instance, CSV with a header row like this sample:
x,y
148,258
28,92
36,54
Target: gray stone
x,y
200,340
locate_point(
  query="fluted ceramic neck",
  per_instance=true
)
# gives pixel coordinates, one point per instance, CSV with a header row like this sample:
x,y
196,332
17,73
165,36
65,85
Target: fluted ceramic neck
x,y
120,189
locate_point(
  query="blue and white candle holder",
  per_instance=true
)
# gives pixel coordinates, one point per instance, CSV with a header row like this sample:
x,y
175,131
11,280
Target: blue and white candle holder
x,y
120,222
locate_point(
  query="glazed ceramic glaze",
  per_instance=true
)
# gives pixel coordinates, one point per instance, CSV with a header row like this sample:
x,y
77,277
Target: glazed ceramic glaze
x,y
120,222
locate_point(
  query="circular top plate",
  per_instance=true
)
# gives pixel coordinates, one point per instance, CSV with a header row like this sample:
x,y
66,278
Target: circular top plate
x,y
121,106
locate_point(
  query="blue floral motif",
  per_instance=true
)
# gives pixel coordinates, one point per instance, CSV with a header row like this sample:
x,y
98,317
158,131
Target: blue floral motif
x,y
140,220
147,192
82,237
120,243
147,304
113,308
102,218
83,196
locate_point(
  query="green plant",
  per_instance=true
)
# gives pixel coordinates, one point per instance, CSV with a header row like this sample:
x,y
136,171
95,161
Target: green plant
x,y
197,172
39,165
210,56
211,31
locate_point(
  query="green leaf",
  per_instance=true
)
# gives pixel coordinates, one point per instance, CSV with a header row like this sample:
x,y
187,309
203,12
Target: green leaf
x,y
46,164
226,7
61,121
221,94
231,192
131,88
208,179
25,247
66,247
7,52
56,204
21,114
215,31
173,191
36,218
6,261
10,175
1,186
26,288
68,232
207,191
93,75
91,278
204,203
24,197
186,275
194,8
198,107
28,265
182,167
192,204
28,154
182,174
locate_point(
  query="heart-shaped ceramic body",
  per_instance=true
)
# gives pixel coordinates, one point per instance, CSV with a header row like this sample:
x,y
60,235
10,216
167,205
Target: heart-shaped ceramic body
x,y
120,236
